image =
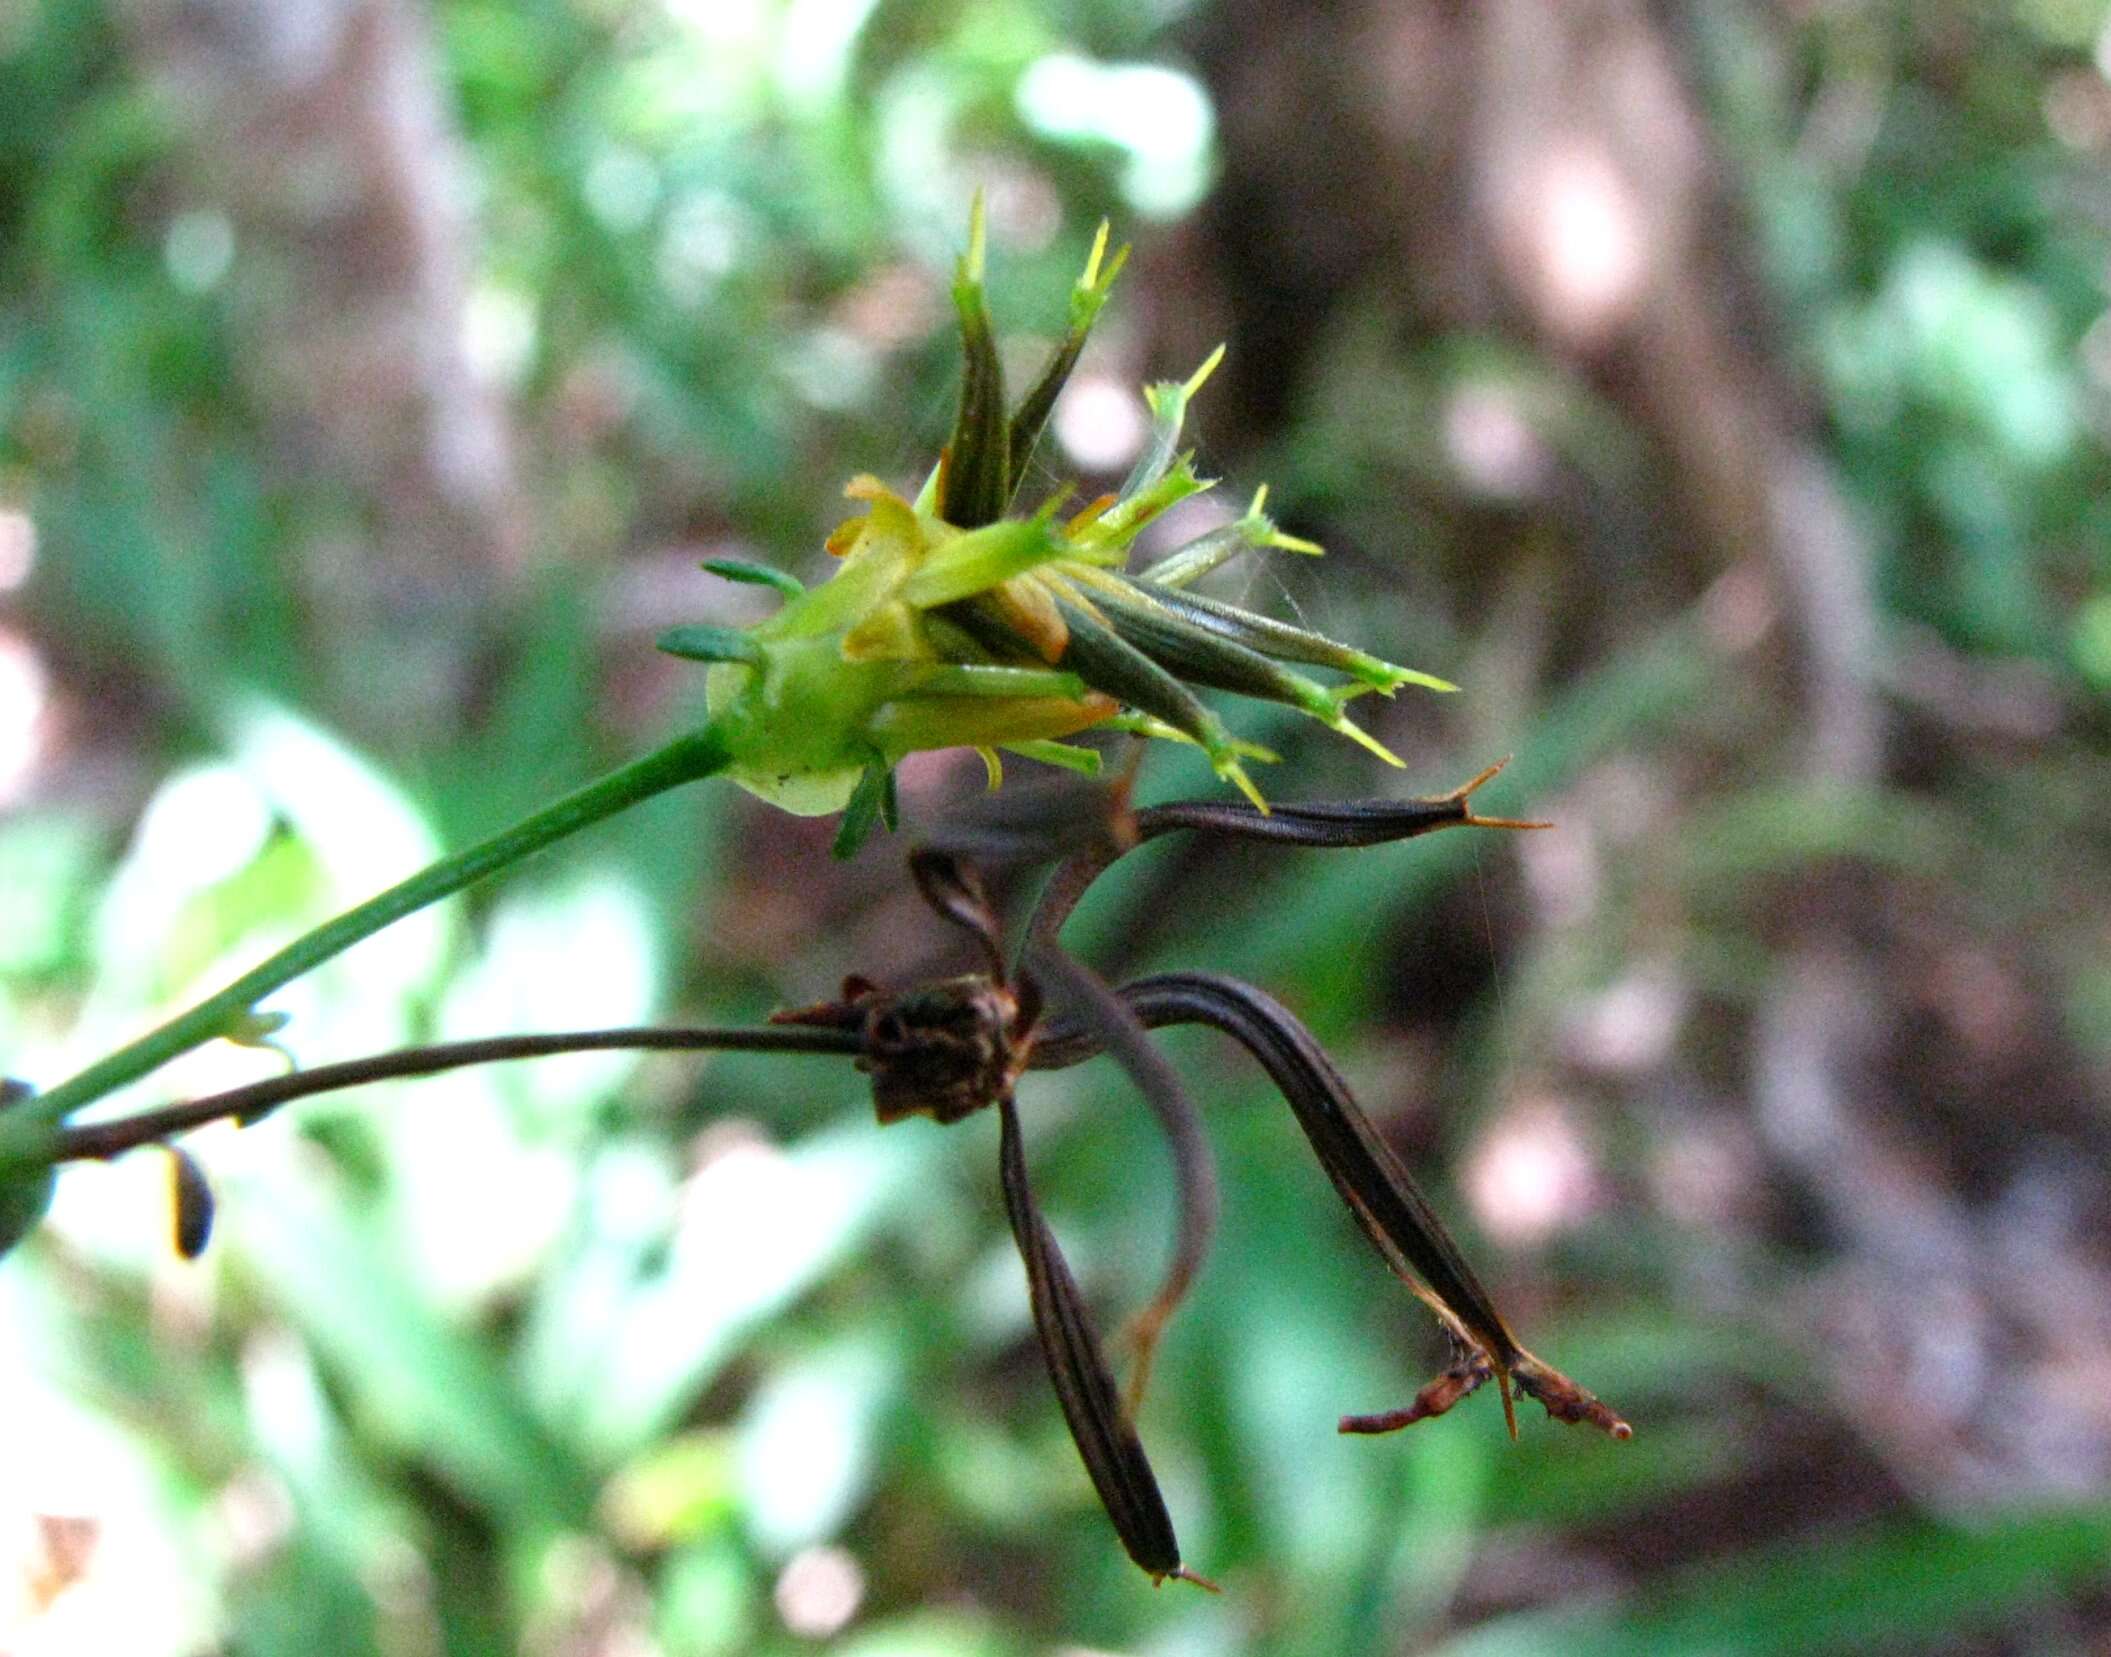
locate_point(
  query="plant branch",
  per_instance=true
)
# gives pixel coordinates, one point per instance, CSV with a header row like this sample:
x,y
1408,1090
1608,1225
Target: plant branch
x,y
246,1104
29,1134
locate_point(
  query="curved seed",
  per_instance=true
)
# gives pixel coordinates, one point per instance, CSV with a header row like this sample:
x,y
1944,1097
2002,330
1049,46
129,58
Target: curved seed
x,y
1086,998
953,888
1324,824
1379,1191
1112,1453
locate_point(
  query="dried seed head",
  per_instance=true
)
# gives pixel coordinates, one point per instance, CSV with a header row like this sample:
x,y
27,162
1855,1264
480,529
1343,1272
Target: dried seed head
x,y
943,1050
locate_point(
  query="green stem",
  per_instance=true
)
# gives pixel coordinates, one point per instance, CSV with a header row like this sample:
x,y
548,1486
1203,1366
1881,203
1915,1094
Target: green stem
x,y
28,1132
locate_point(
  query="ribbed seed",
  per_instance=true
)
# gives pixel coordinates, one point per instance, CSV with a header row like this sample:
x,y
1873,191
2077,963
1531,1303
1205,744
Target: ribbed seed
x,y
1379,1191
1112,1453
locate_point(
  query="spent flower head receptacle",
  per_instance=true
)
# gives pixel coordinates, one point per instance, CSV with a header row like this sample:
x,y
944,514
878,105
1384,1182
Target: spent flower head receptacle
x,y
953,621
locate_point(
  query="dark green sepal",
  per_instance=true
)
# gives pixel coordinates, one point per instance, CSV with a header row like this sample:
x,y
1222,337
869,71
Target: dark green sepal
x,y
1275,638
871,803
702,643
755,575
1205,656
1107,662
977,481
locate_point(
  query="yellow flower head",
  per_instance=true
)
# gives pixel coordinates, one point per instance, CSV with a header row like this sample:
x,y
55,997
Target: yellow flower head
x,y
948,622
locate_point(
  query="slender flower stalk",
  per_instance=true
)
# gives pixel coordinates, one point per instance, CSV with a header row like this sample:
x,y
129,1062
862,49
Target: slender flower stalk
x,y
254,1101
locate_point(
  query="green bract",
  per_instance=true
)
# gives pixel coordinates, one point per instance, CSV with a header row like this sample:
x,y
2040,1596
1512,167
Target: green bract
x,y
951,623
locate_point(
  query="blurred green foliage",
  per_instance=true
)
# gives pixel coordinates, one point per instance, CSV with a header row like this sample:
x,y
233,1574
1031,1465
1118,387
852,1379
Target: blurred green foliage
x,y
607,1356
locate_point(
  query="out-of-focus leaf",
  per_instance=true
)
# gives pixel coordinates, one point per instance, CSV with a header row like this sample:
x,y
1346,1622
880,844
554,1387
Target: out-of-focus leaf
x,y
809,1443
929,1634
1871,1588
708,1600
757,1227
431,1388
1757,830
673,1492
304,1601
46,864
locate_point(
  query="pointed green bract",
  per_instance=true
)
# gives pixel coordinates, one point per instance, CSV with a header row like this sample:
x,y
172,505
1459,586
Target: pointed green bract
x,y
1086,301
699,643
1168,401
1256,531
755,575
1065,756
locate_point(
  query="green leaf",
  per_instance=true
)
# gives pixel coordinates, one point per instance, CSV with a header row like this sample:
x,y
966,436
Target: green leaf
x,y
1898,1586
432,1388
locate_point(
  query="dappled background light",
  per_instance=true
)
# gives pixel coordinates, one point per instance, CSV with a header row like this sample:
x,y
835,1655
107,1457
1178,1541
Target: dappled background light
x,y
1719,394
